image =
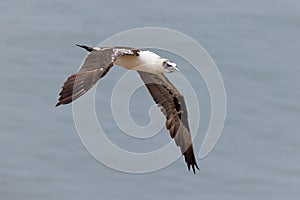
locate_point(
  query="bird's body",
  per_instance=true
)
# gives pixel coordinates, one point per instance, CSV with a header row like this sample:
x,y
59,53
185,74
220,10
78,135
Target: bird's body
x,y
145,61
150,67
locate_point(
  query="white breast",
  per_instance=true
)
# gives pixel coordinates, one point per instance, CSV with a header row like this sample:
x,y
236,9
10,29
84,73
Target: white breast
x,y
147,61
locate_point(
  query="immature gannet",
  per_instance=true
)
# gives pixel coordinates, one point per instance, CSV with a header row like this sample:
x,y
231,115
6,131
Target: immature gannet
x,y
150,67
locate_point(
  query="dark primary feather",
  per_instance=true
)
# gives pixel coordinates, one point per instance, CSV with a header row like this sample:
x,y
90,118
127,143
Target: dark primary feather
x,y
95,66
173,106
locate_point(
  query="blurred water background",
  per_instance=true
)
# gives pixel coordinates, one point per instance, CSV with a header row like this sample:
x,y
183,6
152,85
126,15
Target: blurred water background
x,y
256,47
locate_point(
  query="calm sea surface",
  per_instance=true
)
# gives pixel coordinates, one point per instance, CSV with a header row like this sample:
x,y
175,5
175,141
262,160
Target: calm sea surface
x,y
256,47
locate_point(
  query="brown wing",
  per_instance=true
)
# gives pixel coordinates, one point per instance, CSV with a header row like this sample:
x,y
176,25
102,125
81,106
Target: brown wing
x,y
173,106
95,66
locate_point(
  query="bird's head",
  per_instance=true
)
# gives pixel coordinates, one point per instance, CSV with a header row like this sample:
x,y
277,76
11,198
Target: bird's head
x,y
153,63
169,66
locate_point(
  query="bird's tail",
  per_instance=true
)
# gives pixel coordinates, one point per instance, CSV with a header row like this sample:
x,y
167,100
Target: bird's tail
x,y
89,49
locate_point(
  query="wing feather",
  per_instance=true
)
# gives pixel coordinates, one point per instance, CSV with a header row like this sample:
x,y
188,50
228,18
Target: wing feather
x,y
173,106
95,66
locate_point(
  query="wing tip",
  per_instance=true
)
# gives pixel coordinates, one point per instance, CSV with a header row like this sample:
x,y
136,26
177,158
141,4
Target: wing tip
x,y
194,167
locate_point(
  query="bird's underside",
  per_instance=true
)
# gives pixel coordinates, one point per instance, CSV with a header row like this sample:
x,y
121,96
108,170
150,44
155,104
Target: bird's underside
x,y
164,93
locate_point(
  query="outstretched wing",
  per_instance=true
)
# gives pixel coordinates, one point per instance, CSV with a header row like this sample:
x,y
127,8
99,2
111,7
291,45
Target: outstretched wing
x,y
95,66
173,106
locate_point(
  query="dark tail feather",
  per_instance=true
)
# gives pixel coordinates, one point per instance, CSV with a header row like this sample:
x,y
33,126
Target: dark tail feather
x,y
89,49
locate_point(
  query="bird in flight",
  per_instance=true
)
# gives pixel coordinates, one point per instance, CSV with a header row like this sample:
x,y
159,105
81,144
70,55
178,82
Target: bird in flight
x,y
151,68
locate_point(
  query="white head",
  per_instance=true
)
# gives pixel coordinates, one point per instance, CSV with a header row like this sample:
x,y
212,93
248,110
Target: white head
x,y
154,63
169,66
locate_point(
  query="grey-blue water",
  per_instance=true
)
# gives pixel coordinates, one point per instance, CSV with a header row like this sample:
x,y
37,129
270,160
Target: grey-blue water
x,y
256,47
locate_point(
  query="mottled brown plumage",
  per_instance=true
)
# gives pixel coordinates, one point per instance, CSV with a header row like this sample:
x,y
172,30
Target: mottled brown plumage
x,y
95,66
173,106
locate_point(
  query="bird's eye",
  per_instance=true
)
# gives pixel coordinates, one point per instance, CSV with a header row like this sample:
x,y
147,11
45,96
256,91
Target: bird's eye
x,y
167,64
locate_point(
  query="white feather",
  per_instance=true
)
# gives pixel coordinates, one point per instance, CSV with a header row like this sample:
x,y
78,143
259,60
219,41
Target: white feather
x,y
147,61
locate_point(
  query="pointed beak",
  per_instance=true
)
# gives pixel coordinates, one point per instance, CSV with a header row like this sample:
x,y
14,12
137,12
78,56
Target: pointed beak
x,y
170,66
175,68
